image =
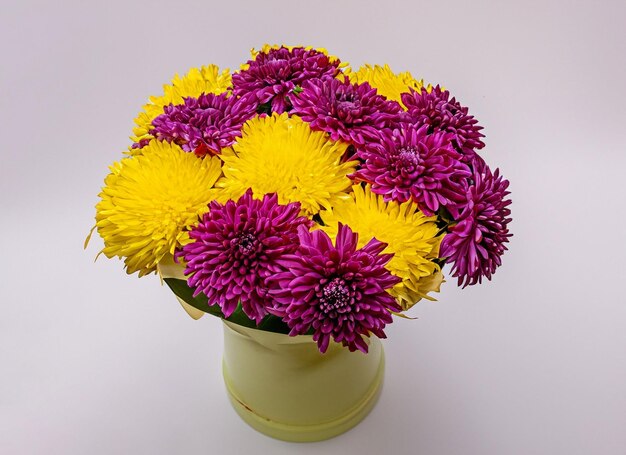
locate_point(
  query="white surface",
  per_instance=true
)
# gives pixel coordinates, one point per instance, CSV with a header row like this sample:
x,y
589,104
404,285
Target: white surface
x,y
93,361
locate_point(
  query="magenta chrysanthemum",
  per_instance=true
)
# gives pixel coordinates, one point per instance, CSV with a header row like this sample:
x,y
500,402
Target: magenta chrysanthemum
x,y
410,164
440,113
206,124
236,247
475,244
353,113
337,290
273,74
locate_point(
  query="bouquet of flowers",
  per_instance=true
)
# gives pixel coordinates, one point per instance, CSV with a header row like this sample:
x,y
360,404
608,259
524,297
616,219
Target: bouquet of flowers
x,y
301,196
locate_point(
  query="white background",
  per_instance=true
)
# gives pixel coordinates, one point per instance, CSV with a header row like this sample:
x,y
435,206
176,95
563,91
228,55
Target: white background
x,y
96,362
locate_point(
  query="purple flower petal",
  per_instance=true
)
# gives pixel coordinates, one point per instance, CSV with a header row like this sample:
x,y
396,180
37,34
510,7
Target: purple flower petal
x,y
476,243
338,290
231,257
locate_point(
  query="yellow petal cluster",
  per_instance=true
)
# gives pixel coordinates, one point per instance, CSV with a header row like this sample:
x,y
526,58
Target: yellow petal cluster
x,y
411,236
206,79
149,202
386,82
283,155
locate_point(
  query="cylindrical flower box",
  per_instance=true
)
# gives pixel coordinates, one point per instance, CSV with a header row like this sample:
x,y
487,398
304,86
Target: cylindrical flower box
x,y
285,388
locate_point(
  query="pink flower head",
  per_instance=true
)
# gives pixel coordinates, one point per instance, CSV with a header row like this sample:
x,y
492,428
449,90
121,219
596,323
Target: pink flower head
x,y
410,164
236,247
338,291
354,113
273,75
205,125
476,243
440,113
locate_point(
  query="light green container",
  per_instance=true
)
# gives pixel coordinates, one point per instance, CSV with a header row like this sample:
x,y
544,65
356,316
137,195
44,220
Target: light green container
x,y
285,388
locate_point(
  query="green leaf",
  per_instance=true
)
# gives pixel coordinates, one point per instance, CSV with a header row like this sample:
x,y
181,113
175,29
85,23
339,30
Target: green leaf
x,y
182,290
239,317
273,323
265,108
444,219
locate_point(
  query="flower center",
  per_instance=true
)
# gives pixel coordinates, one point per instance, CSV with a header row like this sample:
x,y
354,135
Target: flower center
x,y
246,243
347,105
335,297
347,102
408,163
408,156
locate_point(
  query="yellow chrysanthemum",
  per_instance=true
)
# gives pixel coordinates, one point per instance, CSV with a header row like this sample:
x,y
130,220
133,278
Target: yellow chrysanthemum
x,y
386,82
281,154
206,79
411,237
149,201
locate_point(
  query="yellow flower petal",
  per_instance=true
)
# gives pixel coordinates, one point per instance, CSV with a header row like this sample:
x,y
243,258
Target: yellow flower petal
x,y
207,79
149,202
386,82
281,154
411,237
